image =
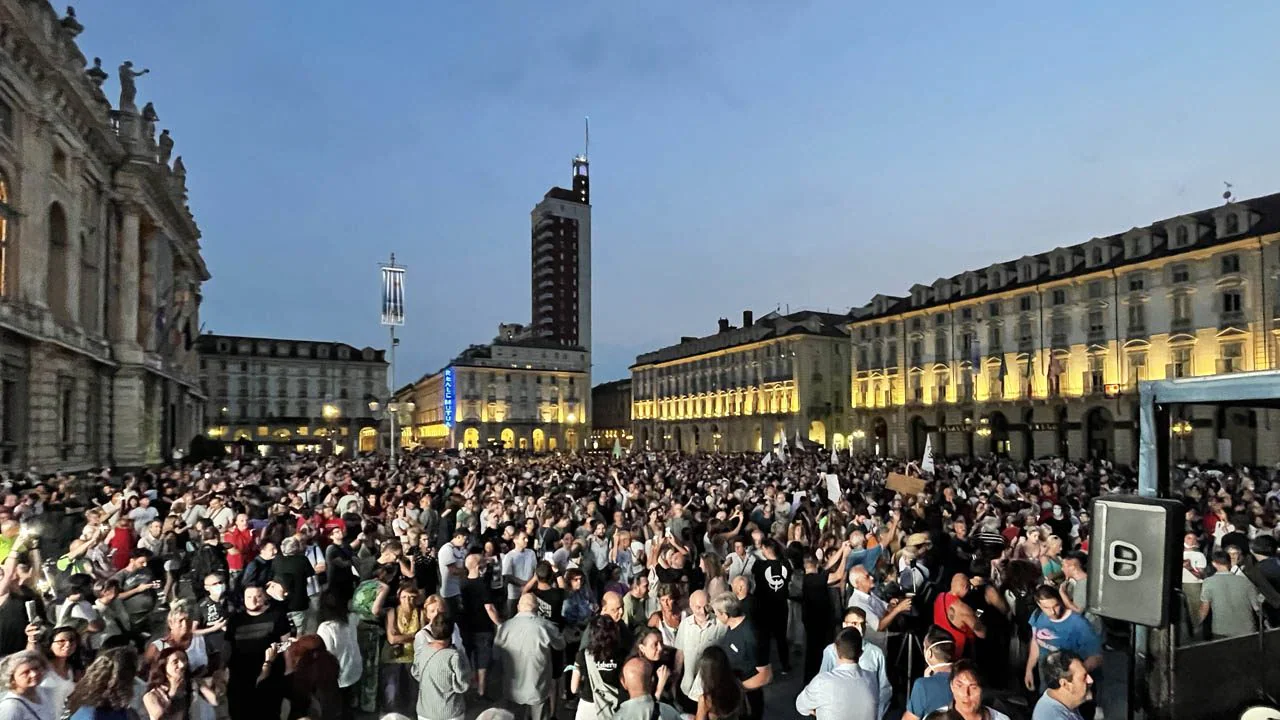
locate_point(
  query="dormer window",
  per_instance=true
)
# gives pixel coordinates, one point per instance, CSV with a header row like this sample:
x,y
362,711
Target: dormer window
x,y
1024,273
1181,236
969,286
1097,256
1231,224
224,346
1060,264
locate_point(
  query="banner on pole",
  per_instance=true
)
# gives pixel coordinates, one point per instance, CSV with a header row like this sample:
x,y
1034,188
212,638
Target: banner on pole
x,y
392,295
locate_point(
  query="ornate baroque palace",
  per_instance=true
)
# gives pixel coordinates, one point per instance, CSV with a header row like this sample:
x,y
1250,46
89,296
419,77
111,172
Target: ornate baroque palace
x,y
100,267
1043,355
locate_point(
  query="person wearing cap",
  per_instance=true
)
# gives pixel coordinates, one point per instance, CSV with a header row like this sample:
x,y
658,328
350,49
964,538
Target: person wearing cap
x,y
912,574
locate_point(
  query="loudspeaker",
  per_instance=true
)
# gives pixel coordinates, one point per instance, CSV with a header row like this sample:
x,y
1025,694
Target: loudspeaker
x,y
1135,553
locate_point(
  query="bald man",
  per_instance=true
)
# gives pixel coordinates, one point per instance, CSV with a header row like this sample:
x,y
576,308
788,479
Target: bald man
x,y
637,679
524,645
698,631
741,587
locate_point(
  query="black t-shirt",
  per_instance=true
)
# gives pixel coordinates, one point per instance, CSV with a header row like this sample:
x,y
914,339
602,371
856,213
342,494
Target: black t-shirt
x,y
551,605
740,645
293,571
248,637
13,621
610,669
475,595
772,578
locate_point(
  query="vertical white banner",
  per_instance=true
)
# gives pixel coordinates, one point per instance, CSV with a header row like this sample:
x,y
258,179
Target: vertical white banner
x,y
392,296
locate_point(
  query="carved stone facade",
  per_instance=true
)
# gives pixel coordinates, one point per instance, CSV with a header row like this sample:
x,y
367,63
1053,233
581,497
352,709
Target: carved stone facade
x,y
100,266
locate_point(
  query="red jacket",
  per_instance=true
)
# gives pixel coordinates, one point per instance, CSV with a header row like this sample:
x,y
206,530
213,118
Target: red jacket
x,y
243,542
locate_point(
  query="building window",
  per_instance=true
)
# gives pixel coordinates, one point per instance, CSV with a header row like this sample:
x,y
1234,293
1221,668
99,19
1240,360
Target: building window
x,y
1232,301
1182,308
1137,367
1230,264
1095,290
966,314
1024,332
916,323
1097,373
1181,365
892,359
60,163
1059,297
1137,318
940,319
1024,303
1060,264
1097,256
1137,282
1232,224
1097,323
993,309
1232,357
1181,236
66,416
1180,274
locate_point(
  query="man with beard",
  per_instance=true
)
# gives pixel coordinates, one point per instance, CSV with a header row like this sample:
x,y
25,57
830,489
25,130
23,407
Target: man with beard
x,y
253,688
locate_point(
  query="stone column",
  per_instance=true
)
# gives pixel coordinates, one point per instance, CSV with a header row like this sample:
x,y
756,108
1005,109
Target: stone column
x,y
129,400
129,270
73,253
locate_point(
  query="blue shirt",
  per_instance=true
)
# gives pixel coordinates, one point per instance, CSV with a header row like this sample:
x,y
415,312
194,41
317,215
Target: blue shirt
x,y
1049,709
1072,633
865,558
929,694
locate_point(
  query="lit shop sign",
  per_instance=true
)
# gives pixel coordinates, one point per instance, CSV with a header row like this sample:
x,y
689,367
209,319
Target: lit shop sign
x,y
450,399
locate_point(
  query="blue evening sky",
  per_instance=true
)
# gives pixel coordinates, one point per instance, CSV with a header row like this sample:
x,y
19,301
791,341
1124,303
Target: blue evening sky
x,y
744,155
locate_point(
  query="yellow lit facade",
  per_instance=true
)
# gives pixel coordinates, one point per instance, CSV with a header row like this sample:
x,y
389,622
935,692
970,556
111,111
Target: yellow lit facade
x,y
1043,355
743,388
520,394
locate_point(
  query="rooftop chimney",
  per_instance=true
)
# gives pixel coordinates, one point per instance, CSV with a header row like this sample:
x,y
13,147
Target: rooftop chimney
x,y
724,325
747,318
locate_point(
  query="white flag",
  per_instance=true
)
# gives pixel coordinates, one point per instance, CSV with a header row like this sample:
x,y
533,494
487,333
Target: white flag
x,y
926,463
765,461
835,460
798,445
782,440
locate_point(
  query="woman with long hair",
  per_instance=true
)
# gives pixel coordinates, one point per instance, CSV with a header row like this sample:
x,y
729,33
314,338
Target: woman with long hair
x,y
338,630
105,692
180,634
61,651
311,680
599,662
722,694
171,694
399,689
20,676
713,568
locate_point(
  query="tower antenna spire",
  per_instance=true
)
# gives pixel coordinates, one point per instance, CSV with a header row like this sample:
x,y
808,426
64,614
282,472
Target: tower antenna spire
x,y
586,147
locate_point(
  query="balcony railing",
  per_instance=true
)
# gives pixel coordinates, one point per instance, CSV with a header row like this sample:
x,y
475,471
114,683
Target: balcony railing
x,y
1097,334
1180,324
1093,382
1177,370
1026,344
1229,365
1231,319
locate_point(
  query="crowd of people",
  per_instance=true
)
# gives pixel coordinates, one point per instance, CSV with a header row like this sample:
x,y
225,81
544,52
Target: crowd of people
x,y
650,585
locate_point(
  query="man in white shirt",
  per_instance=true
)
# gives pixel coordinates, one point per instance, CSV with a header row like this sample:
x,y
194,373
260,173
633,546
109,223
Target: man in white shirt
x,y
879,614
872,659
846,692
1194,567
452,558
697,632
741,560
517,569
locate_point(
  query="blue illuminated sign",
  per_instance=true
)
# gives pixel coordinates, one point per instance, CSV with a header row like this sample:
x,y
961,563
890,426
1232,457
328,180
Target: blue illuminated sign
x,y
450,399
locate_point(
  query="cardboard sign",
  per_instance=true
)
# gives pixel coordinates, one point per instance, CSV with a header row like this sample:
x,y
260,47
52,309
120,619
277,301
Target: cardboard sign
x,y
833,487
908,486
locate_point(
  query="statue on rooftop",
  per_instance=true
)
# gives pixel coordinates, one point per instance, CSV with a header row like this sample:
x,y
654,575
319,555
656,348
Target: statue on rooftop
x,y
166,146
96,74
128,88
70,24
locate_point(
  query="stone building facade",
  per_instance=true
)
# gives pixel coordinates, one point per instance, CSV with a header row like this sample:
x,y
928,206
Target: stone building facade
x,y
277,394
524,394
611,415
100,265
743,388
1043,355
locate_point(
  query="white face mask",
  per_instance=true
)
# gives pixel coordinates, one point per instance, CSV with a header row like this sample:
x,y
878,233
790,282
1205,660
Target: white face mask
x,y
215,591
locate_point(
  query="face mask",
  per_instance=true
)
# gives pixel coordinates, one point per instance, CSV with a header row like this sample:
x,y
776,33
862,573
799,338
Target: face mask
x,y
215,591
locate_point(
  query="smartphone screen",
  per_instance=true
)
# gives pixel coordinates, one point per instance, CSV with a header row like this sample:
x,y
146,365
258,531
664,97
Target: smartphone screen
x,y
33,611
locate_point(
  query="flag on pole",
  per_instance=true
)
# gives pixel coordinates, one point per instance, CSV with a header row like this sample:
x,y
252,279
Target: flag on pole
x,y
782,440
392,295
926,463
835,459
617,448
764,462
798,445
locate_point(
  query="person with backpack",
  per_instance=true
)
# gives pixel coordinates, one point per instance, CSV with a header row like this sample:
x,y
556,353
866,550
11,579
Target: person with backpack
x,y
595,679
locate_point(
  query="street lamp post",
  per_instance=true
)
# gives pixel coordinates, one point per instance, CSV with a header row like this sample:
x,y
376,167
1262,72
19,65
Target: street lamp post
x,y
393,410
331,414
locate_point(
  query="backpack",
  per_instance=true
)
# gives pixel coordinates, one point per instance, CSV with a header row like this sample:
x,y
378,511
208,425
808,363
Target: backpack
x,y
603,695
